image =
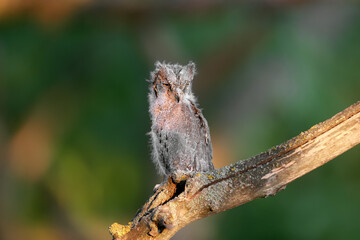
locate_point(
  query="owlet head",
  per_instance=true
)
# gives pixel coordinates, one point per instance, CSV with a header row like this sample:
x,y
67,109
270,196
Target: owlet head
x,y
173,79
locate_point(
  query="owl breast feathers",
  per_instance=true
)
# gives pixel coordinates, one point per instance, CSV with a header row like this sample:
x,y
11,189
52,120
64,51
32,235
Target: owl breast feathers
x,y
180,134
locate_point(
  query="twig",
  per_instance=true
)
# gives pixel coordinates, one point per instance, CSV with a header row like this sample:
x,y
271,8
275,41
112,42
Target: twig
x,y
179,202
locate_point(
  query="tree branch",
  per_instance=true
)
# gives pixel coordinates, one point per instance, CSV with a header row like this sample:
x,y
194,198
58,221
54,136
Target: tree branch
x,y
182,200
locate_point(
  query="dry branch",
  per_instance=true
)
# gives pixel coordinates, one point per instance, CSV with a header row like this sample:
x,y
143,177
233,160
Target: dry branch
x,y
181,201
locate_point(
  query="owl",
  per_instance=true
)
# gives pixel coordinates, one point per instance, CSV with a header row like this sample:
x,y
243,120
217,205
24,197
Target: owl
x,y
179,134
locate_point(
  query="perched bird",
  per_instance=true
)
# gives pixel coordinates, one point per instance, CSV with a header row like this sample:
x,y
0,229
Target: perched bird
x,y
179,134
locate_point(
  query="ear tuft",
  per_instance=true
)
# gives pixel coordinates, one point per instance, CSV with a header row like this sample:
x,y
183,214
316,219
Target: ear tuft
x,y
158,68
158,64
191,68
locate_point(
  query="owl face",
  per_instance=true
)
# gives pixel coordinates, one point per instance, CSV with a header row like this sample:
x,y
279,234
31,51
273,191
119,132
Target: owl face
x,y
173,79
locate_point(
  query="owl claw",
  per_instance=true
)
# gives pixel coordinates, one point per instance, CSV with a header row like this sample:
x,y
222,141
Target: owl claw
x,y
180,176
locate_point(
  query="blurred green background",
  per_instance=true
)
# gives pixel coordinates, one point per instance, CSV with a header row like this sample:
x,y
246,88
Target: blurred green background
x,y
74,154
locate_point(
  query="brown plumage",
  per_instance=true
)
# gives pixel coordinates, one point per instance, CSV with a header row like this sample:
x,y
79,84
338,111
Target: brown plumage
x,y
179,133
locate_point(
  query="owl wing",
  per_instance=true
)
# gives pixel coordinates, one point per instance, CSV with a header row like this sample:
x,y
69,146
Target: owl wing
x,y
205,150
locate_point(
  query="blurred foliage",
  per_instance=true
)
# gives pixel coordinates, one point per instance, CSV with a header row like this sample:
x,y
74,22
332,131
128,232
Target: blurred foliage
x,y
74,155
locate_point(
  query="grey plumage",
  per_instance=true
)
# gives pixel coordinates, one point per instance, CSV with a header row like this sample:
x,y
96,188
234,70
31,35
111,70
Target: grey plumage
x,y
179,134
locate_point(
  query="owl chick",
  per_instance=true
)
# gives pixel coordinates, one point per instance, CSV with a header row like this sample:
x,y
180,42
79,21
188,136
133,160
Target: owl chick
x,y
180,134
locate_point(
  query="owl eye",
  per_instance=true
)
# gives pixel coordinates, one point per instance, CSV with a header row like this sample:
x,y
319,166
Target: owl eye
x,y
166,84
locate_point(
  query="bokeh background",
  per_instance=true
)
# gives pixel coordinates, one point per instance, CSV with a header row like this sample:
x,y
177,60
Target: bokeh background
x,y
74,154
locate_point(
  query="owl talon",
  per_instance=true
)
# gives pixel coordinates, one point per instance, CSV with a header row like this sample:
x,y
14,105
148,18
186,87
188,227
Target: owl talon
x,y
178,176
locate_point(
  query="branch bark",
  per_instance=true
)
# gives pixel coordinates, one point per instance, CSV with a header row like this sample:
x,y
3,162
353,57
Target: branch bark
x,y
184,199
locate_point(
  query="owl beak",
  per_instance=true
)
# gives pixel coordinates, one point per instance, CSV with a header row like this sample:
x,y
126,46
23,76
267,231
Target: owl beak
x,y
177,97
178,94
